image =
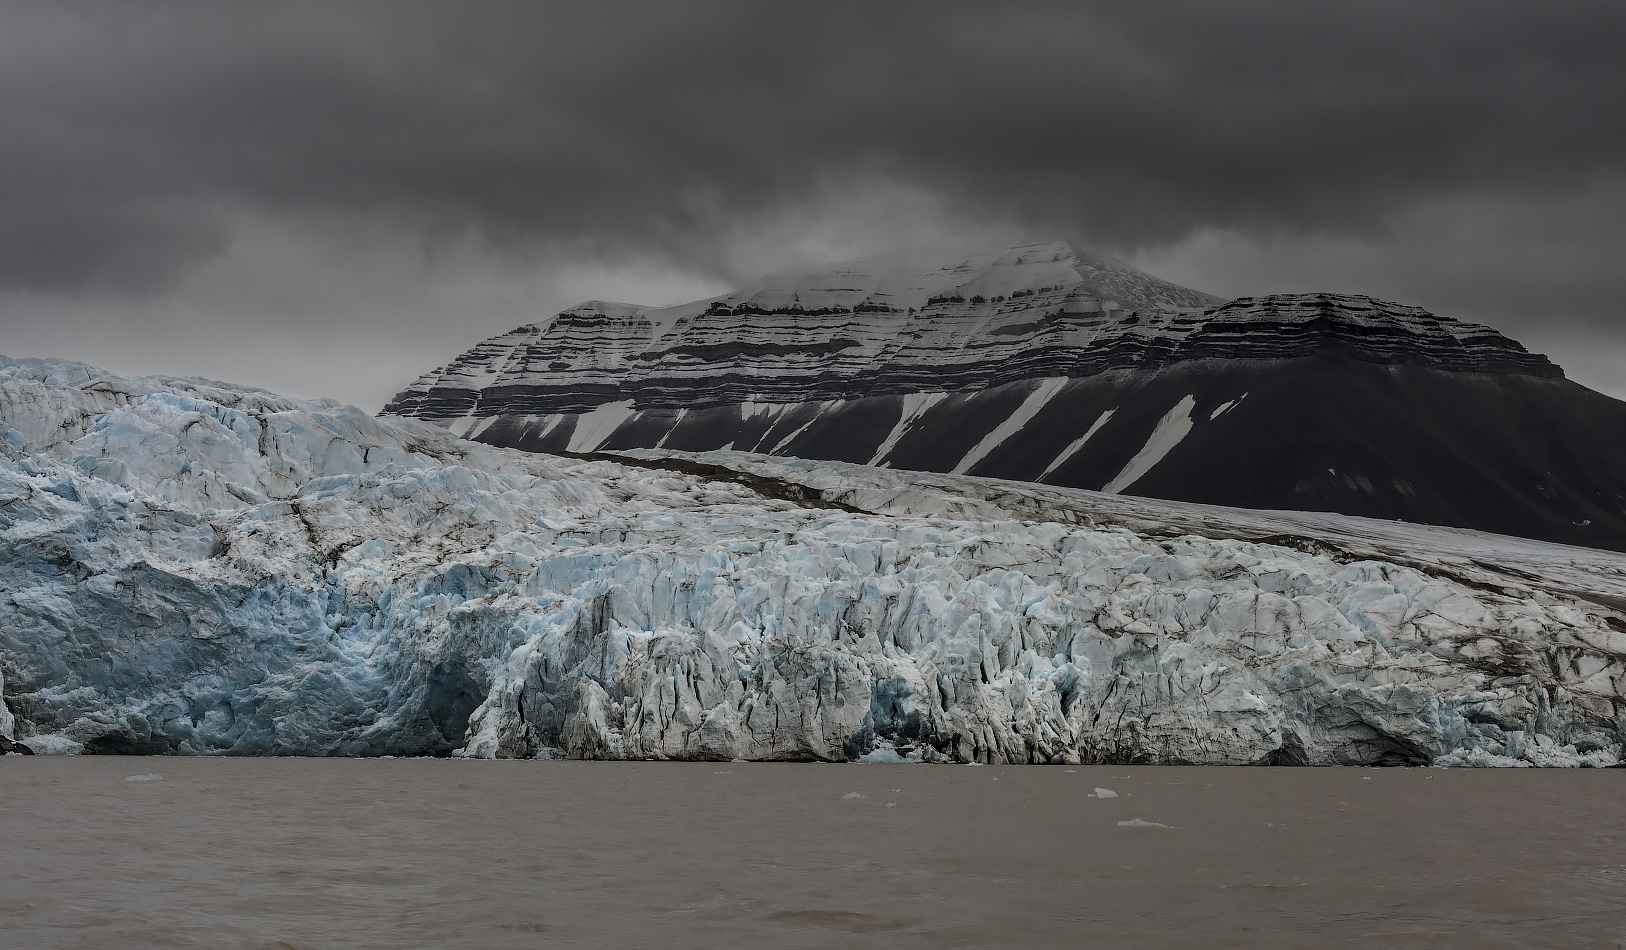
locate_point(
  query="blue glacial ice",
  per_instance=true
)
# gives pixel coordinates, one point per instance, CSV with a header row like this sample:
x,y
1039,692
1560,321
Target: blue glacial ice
x,y
192,567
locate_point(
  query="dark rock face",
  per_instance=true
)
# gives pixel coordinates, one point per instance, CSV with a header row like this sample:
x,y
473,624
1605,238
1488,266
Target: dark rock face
x,y
1289,326
1043,364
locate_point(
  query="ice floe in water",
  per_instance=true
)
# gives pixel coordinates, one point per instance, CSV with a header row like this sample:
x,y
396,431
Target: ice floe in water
x,y
191,567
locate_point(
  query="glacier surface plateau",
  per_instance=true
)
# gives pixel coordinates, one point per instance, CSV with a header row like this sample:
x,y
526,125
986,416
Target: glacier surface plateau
x,y
192,567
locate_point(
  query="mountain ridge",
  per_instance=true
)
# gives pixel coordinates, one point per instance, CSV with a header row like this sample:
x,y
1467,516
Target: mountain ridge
x,y
861,314
1041,363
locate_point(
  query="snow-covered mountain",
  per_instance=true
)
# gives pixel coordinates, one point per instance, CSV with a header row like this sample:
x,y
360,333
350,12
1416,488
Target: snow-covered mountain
x,y
187,566
1042,363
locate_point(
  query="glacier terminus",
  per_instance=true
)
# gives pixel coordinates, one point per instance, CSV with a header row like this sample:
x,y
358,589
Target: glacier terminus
x,y
192,567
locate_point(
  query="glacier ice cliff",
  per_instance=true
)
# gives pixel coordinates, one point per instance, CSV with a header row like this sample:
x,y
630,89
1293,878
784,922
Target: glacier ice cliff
x,y
192,567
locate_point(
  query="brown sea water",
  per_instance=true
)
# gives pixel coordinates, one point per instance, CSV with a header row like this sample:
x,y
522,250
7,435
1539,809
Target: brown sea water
x,y
309,853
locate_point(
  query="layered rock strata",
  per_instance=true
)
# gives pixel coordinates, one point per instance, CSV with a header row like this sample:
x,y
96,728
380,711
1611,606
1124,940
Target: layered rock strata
x,y
1041,363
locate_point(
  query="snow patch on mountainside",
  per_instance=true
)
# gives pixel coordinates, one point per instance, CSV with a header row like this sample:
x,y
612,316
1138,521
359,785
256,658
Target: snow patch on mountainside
x,y
1078,443
914,406
677,420
1174,426
1013,424
594,427
1225,407
822,408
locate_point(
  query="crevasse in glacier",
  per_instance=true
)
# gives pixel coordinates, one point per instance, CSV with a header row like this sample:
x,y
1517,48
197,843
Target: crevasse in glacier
x,y
200,568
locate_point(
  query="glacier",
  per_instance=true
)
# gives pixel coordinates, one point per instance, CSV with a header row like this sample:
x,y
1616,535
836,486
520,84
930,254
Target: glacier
x,y
194,567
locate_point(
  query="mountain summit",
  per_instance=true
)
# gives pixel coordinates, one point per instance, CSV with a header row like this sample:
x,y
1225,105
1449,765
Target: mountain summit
x,y
1044,363
858,328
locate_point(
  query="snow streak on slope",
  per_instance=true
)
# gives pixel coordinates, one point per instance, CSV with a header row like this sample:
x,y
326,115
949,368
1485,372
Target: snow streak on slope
x,y
1024,414
822,408
676,421
192,567
594,427
1225,407
1078,443
914,406
1170,429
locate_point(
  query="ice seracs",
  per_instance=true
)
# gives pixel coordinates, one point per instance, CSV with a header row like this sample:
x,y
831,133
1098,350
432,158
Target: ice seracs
x,y
193,567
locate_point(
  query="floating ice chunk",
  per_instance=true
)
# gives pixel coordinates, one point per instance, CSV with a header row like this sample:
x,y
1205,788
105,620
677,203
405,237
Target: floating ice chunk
x,y
852,795
883,756
1137,823
1105,793
149,777
1477,759
885,753
53,745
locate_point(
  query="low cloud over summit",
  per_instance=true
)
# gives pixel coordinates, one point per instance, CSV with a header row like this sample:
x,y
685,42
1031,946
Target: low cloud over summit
x,y
355,171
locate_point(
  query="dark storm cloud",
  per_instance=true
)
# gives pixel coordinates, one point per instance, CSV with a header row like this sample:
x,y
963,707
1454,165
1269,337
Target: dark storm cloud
x,y
135,134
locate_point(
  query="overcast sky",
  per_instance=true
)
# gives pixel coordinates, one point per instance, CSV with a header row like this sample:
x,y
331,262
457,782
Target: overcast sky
x,y
329,199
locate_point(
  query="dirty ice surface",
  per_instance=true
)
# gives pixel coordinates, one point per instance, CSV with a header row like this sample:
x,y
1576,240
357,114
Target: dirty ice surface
x,y
194,567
